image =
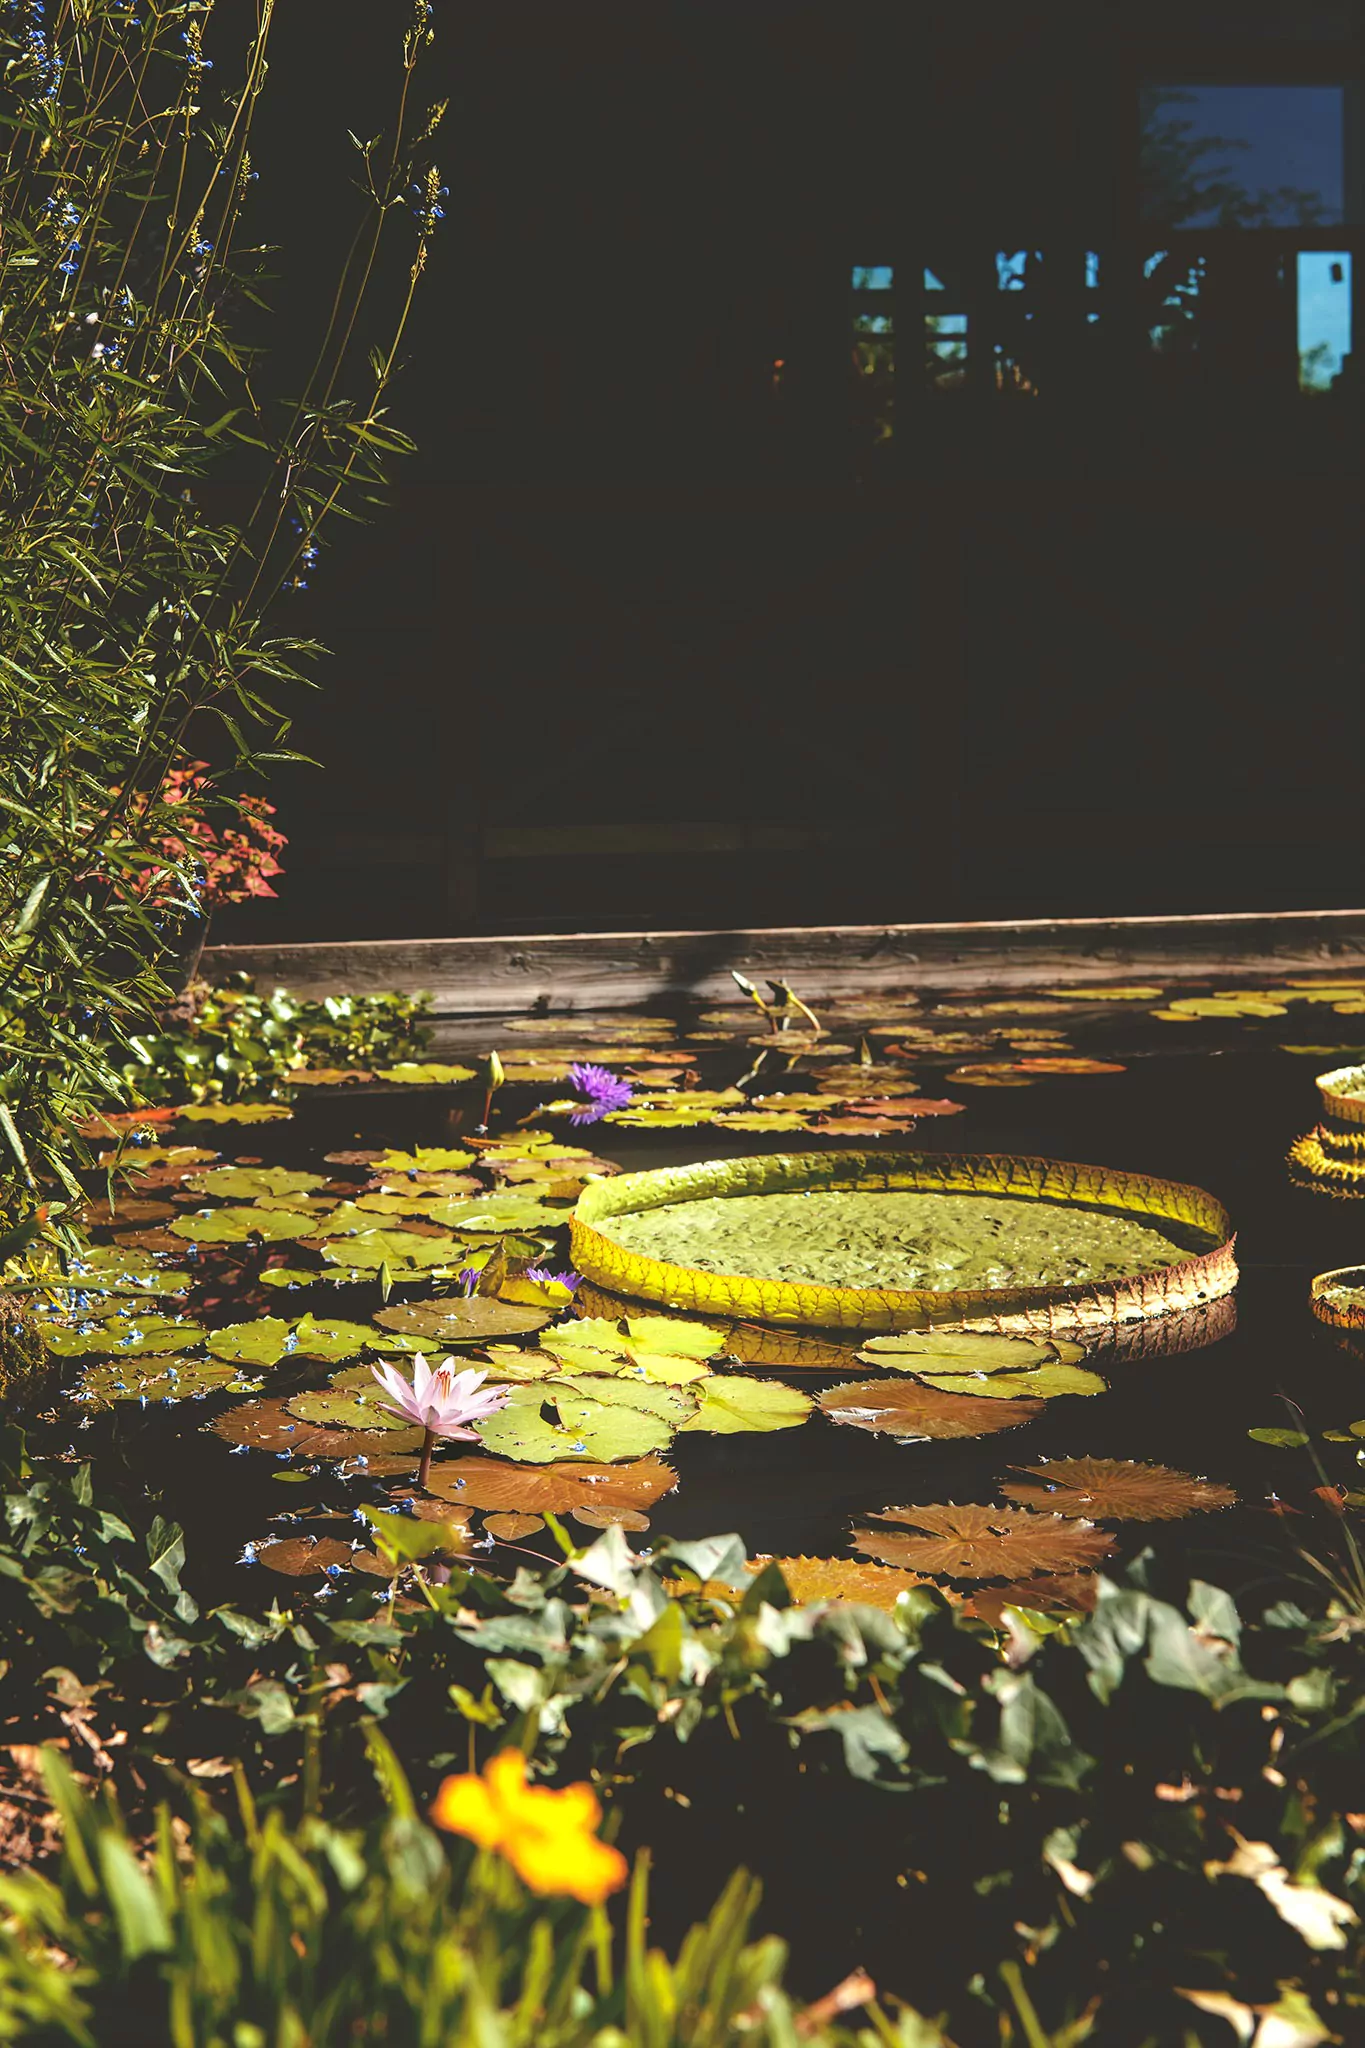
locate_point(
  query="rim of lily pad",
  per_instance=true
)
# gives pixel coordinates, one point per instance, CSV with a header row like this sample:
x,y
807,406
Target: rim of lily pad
x,y
1324,1293
1335,1089
1201,1277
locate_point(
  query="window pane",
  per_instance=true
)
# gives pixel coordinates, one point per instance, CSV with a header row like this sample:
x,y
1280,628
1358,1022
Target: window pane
x,y
1324,317
1242,155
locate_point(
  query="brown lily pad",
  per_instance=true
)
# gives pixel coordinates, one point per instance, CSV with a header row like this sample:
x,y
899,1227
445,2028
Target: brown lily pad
x,y
508,1527
841,1578
269,1426
909,1409
975,1542
298,1556
551,1488
609,1518
1116,1490
1054,1596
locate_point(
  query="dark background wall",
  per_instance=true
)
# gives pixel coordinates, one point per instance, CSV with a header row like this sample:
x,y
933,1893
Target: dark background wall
x,y
655,633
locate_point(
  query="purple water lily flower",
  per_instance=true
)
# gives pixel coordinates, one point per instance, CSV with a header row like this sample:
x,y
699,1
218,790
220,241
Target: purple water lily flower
x,y
603,1089
545,1278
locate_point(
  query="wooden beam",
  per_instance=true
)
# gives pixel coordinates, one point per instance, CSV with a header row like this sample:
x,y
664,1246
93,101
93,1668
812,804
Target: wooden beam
x,y
595,970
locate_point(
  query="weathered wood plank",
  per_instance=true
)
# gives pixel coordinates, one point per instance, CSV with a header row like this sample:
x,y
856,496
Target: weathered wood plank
x,y
493,976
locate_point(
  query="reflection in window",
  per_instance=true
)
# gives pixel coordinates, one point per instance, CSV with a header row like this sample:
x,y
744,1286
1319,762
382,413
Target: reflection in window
x,y
1324,317
1012,272
933,283
1242,156
945,343
1173,303
874,351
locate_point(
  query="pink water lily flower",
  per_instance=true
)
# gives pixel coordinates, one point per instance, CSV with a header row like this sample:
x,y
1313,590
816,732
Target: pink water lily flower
x,y
443,1402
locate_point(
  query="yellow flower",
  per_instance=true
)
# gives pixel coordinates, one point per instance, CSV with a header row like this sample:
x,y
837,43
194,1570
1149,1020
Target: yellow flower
x,y
549,1838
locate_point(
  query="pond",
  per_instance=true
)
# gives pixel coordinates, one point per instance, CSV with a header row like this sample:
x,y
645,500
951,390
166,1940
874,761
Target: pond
x,y
1225,1394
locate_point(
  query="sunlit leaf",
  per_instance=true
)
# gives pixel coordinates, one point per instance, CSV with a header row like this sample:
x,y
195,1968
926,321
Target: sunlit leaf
x,y
426,1159
607,1518
596,1430
1055,1063
551,1294
329,1339
1232,1004
1139,993
671,1404
127,1209
972,1542
116,1269
261,1343
424,1074
963,1350
269,1426
130,1336
507,1528
1045,1382
327,1077
1116,1489
1055,1597
733,1404
232,1113
127,1379
459,1319
842,1578
1285,1439
908,1409
237,1226
371,1249
992,1074
301,1556
249,1183
551,1489
497,1212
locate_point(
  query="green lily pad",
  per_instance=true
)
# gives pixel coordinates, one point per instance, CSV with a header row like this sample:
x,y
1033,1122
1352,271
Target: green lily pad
x,y
345,1219
670,1404
1046,1383
599,1432
426,1159
232,1112
510,1362
249,1183
497,1212
1286,1439
132,1336
460,1319
672,1336
125,1381
299,1276
352,1407
237,1226
922,1351
732,1403
261,1343
371,1249
424,1073
118,1269
330,1340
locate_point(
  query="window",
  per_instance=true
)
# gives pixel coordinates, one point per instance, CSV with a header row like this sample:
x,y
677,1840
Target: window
x,y
1324,315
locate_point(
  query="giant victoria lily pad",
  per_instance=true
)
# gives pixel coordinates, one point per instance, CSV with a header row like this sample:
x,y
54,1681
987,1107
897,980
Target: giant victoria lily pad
x,y
1106,1246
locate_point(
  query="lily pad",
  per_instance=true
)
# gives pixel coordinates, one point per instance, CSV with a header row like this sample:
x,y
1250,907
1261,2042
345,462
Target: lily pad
x,y
371,1249
261,1343
909,1410
238,1226
329,1340
269,1426
585,1428
124,1336
1284,1439
551,1489
249,1183
497,1212
117,1269
966,1351
507,1528
609,1518
972,1542
301,1556
424,1073
232,1113
733,1404
352,1407
426,1159
841,1578
124,1379
460,1319
669,1403
1116,1490
1046,1382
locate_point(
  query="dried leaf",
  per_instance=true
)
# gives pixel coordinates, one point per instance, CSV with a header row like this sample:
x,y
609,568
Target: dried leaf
x,y
973,1542
1117,1489
910,1410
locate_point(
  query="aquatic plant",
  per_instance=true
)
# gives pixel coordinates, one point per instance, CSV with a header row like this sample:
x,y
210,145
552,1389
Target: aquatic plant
x,y
136,619
549,1838
442,1401
601,1089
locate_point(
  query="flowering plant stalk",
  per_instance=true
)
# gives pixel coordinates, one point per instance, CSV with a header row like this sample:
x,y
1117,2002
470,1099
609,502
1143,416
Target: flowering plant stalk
x,y
134,625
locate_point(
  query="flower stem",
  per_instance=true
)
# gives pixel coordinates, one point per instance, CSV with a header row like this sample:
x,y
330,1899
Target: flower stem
x,y
428,1446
